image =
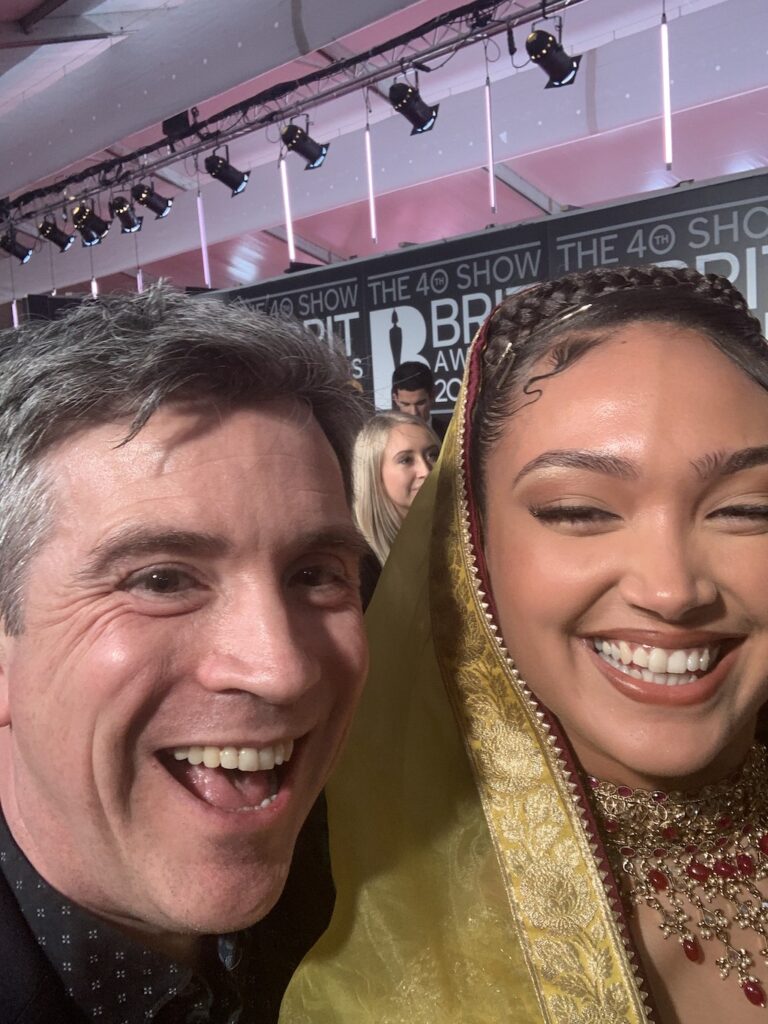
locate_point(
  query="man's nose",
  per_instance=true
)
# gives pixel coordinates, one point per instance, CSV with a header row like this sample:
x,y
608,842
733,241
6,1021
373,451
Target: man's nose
x,y
668,575
255,645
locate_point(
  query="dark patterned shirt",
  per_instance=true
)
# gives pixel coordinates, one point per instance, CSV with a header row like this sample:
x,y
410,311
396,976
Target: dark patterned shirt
x,y
112,979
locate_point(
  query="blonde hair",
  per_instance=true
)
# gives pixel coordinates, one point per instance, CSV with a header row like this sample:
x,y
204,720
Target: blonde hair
x,y
377,516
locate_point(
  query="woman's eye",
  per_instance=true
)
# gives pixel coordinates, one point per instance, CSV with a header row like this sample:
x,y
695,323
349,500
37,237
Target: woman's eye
x,y
573,515
161,581
746,514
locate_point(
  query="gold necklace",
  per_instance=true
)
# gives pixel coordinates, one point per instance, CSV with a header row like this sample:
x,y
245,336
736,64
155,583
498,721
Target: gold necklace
x,y
678,853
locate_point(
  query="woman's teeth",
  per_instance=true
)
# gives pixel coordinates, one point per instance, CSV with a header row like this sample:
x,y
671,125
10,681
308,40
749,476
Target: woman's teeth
x,y
657,664
246,759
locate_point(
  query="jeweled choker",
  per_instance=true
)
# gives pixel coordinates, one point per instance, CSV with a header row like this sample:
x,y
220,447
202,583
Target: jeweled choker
x,y
679,852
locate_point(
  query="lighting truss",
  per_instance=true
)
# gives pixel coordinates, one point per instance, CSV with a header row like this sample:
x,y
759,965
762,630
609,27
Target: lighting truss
x,y
432,42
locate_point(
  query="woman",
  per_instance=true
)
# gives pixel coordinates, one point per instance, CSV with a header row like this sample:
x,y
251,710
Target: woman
x,y
579,835
393,456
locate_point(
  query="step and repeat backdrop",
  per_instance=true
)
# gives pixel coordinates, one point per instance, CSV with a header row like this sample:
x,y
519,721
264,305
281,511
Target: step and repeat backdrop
x,y
426,302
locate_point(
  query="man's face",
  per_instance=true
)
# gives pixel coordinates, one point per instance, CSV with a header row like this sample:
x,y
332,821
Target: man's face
x,y
415,403
198,590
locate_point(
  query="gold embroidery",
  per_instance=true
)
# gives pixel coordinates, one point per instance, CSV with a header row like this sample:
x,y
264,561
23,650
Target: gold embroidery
x,y
564,921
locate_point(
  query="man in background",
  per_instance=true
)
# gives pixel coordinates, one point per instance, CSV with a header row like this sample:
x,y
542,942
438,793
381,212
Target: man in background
x,y
180,655
413,392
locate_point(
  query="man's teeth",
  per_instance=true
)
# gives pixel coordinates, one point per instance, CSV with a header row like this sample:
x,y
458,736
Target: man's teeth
x,y
246,759
657,664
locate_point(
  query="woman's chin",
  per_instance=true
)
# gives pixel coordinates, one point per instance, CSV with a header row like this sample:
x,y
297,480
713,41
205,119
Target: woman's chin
x,y
680,760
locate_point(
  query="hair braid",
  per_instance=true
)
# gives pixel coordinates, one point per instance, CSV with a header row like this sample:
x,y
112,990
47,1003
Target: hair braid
x,y
522,314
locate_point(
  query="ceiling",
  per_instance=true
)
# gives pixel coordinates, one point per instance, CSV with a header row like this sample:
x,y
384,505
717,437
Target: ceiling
x,y
82,81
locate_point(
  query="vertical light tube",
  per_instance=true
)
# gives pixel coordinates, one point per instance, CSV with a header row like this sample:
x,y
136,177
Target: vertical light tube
x,y
369,168
94,282
489,138
666,94
203,240
371,196
139,271
14,307
287,208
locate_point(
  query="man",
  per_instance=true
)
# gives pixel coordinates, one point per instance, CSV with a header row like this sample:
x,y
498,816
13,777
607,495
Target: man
x,y
413,391
180,656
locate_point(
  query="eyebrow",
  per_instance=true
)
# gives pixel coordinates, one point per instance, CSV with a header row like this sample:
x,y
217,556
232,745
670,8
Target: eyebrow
x,y
708,467
142,540
134,541
344,535
719,464
579,458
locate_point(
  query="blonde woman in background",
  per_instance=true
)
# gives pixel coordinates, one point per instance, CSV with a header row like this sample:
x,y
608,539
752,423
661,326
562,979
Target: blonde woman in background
x,y
394,454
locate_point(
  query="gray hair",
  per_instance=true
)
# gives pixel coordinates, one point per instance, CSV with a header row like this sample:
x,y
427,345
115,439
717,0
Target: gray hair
x,y
120,358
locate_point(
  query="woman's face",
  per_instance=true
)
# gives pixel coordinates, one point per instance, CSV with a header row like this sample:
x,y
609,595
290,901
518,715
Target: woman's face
x,y
627,546
409,455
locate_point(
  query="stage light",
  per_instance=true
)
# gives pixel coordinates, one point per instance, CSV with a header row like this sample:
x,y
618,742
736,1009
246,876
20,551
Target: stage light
x,y
91,226
296,140
14,247
407,101
544,50
145,195
223,171
120,207
50,230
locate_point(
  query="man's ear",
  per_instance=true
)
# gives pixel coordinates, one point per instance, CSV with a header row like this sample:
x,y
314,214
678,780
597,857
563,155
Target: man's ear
x,y
5,704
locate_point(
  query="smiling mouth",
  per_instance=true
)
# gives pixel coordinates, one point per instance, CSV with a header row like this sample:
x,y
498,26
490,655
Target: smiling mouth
x,y
660,665
230,778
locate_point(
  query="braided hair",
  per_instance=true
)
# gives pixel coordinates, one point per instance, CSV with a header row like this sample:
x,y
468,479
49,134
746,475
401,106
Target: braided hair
x,y
556,322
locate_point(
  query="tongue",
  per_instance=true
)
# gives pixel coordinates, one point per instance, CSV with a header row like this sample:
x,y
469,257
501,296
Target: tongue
x,y
224,788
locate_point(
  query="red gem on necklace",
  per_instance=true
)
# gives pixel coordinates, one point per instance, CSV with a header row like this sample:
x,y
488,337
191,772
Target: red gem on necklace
x,y
658,879
726,822
624,791
745,864
670,832
611,825
754,992
698,871
724,868
692,949
762,842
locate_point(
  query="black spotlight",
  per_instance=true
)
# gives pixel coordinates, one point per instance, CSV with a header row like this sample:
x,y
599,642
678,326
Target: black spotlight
x,y
129,223
223,171
297,140
91,226
14,247
407,101
544,50
146,195
49,229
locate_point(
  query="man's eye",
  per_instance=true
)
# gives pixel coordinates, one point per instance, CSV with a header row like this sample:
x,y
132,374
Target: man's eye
x,y
328,584
319,576
161,581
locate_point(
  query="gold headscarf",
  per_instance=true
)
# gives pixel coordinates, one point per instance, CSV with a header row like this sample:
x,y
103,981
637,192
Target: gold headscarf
x,y
472,886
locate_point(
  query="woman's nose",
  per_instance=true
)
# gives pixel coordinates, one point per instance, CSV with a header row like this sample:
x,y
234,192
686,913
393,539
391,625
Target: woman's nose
x,y
667,577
